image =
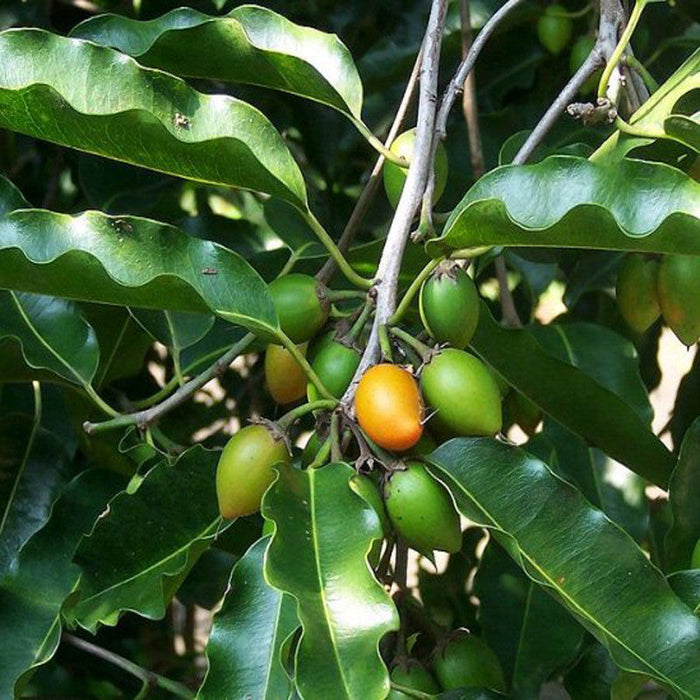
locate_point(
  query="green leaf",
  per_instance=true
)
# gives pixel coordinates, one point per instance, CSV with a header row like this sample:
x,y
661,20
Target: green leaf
x,y
53,334
684,497
129,262
590,565
344,611
593,676
684,129
34,468
568,202
248,634
531,633
55,88
618,492
686,585
32,594
139,553
173,329
603,355
653,114
10,197
573,398
249,45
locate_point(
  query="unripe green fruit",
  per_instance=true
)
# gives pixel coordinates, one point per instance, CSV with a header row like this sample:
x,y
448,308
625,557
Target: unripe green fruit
x,y
463,393
679,295
395,175
524,412
467,661
365,487
579,53
412,674
554,29
302,305
637,297
421,510
695,561
245,469
335,365
449,306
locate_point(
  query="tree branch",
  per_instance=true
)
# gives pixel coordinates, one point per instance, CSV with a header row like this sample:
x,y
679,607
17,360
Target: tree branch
x,y
416,180
455,86
510,313
142,419
363,203
469,103
611,19
144,675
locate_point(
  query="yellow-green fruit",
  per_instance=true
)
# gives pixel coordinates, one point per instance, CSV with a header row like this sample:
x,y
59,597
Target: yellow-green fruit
x,y
412,674
637,296
395,175
421,510
285,379
463,393
679,296
695,562
245,469
467,661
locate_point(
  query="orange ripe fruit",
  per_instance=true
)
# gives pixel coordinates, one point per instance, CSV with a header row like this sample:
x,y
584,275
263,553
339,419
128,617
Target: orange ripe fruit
x,y
389,407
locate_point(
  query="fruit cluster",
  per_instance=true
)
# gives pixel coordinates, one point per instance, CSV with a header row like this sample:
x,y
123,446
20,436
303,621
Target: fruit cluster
x,y
400,415
670,287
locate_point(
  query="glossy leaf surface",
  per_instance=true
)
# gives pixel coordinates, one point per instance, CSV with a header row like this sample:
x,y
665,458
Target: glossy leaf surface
x,y
684,497
34,468
141,550
569,202
52,333
565,544
47,558
343,610
249,631
248,45
129,262
95,99
574,398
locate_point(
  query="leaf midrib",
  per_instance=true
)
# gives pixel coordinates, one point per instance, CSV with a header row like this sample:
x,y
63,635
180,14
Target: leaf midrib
x,y
582,611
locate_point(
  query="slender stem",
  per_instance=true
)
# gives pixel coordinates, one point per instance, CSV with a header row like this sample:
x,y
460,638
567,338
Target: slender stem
x,y
99,401
627,128
558,107
363,203
422,349
164,391
291,416
412,291
385,344
299,356
322,455
469,103
361,321
456,85
621,46
144,418
510,313
640,68
336,453
293,258
410,692
382,149
144,675
411,195
344,266
344,294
